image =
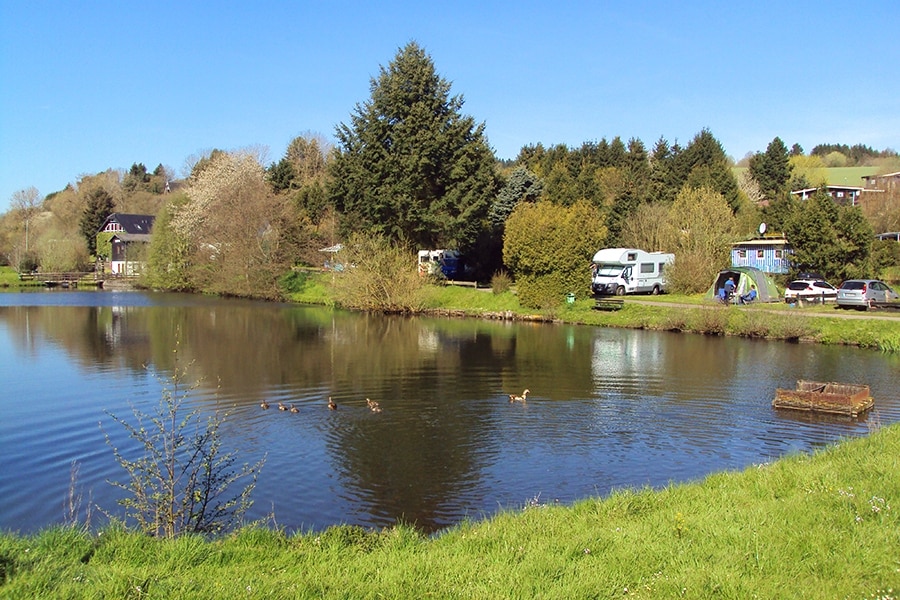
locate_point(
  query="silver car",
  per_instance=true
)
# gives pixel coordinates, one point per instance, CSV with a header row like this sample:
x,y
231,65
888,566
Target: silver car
x,y
864,293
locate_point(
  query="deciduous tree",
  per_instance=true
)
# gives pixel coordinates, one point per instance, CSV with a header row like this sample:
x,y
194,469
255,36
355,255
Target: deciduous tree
x,y
548,248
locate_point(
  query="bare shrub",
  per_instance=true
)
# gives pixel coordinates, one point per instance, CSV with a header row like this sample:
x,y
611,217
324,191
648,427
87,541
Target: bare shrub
x,y
377,275
501,282
182,480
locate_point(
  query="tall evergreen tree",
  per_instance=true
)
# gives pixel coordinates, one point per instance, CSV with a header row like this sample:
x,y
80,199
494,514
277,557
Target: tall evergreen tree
x,y
703,163
409,165
772,170
523,186
99,206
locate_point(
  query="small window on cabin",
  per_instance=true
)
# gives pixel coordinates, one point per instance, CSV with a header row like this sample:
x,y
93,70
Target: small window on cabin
x,y
632,256
778,254
742,254
839,194
648,268
760,254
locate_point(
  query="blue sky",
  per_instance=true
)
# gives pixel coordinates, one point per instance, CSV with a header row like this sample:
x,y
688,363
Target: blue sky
x,y
91,85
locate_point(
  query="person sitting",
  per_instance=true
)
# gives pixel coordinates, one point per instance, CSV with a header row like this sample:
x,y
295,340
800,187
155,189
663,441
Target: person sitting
x,y
749,296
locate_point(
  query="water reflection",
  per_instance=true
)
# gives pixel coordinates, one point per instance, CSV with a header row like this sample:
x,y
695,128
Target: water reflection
x,y
608,408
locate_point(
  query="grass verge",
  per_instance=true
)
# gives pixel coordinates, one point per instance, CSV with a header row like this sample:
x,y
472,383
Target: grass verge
x,y
825,525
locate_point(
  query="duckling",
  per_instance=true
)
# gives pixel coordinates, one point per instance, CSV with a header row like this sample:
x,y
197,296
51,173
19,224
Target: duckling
x,y
264,404
374,406
281,406
522,398
294,409
331,404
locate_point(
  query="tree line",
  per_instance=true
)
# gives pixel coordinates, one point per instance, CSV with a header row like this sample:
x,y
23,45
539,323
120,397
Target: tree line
x,y
411,169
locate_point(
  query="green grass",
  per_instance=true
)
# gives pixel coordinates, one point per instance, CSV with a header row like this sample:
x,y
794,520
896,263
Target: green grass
x,y
807,526
9,277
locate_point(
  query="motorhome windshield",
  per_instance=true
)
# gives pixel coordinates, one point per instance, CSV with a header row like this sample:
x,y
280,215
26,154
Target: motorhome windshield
x,y
609,270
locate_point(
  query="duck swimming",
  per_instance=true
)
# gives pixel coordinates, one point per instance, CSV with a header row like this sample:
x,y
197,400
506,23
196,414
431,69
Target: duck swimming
x,y
522,398
331,404
281,406
294,409
374,406
264,404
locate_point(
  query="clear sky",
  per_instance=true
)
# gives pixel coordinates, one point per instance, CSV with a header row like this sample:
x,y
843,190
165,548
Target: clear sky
x,y
91,85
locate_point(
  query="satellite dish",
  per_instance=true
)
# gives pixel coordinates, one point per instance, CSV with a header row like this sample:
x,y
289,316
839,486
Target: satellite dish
x,y
762,228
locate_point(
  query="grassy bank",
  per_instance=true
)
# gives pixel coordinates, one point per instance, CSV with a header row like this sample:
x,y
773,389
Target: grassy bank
x,y
692,314
819,526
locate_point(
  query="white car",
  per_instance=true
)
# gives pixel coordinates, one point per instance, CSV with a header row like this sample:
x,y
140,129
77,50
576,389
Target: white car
x,y
810,290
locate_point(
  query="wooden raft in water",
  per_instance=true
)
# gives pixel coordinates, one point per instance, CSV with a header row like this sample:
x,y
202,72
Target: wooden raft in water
x,y
835,398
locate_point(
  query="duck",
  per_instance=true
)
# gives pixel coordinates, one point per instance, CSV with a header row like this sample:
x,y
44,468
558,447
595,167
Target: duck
x,y
294,409
522,398
331,404
264,404
374,406
281,406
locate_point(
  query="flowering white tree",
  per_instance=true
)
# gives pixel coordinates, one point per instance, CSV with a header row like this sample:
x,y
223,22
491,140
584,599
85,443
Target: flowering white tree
x,y
233,224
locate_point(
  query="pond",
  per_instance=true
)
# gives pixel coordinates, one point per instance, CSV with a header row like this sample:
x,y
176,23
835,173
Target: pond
x,y
607,408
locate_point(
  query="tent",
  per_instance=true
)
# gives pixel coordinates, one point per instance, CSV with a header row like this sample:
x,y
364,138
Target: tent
x,y
744,277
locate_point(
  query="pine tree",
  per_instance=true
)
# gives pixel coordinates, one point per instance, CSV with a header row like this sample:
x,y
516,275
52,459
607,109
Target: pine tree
x,y
772,170
99,206
409,165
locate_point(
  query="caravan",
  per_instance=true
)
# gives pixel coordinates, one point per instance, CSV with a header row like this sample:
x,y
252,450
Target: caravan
x,y
441,263
620,271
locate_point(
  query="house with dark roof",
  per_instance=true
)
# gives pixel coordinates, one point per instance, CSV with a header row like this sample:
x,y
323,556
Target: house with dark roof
x,y
123,240
841,194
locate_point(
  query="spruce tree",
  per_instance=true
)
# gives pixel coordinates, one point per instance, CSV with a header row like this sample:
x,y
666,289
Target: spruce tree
x,y
99,206
409,165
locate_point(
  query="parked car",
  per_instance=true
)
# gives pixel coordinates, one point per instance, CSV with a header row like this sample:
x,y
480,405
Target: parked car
x,y
810,290
862,293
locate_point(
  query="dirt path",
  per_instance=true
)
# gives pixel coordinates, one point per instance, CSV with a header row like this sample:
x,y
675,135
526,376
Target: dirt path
x,y
887,315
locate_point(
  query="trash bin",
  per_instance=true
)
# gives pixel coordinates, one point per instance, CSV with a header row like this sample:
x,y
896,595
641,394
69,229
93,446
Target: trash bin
x,y
570,298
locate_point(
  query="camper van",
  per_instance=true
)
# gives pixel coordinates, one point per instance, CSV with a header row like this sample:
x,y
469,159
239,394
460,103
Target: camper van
x,y
620,271
444,263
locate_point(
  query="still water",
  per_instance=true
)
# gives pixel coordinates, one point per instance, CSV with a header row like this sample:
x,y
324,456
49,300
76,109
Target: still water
x,y
608,408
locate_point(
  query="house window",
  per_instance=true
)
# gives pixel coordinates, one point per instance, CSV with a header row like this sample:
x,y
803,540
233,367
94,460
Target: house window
x,y
839,194
742,254
760,254
779,254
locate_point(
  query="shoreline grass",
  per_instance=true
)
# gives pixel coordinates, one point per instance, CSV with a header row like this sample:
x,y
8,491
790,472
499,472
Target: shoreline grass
x,y
688,314
824,525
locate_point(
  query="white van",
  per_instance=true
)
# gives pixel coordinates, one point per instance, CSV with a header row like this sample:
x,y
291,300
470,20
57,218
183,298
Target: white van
x,y
620,271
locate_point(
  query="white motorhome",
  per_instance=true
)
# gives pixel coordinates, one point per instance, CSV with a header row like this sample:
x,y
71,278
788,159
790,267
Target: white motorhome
x,y
619,271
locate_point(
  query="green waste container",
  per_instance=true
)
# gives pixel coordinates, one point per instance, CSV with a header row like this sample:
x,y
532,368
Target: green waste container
x,y
570,298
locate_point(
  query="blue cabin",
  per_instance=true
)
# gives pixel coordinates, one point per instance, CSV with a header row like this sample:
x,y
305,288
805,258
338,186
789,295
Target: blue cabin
x,y
769,255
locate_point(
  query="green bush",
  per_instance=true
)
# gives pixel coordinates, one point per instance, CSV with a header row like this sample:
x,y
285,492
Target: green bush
x,y
549,247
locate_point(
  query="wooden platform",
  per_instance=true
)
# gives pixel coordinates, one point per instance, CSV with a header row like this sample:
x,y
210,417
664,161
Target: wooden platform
x,y
834,398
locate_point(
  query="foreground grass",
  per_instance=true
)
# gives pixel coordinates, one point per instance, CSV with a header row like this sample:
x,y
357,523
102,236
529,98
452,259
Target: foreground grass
x,y
807,526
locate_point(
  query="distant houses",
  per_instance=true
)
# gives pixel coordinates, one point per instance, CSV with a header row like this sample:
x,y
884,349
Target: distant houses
x,y
841,194
125,238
